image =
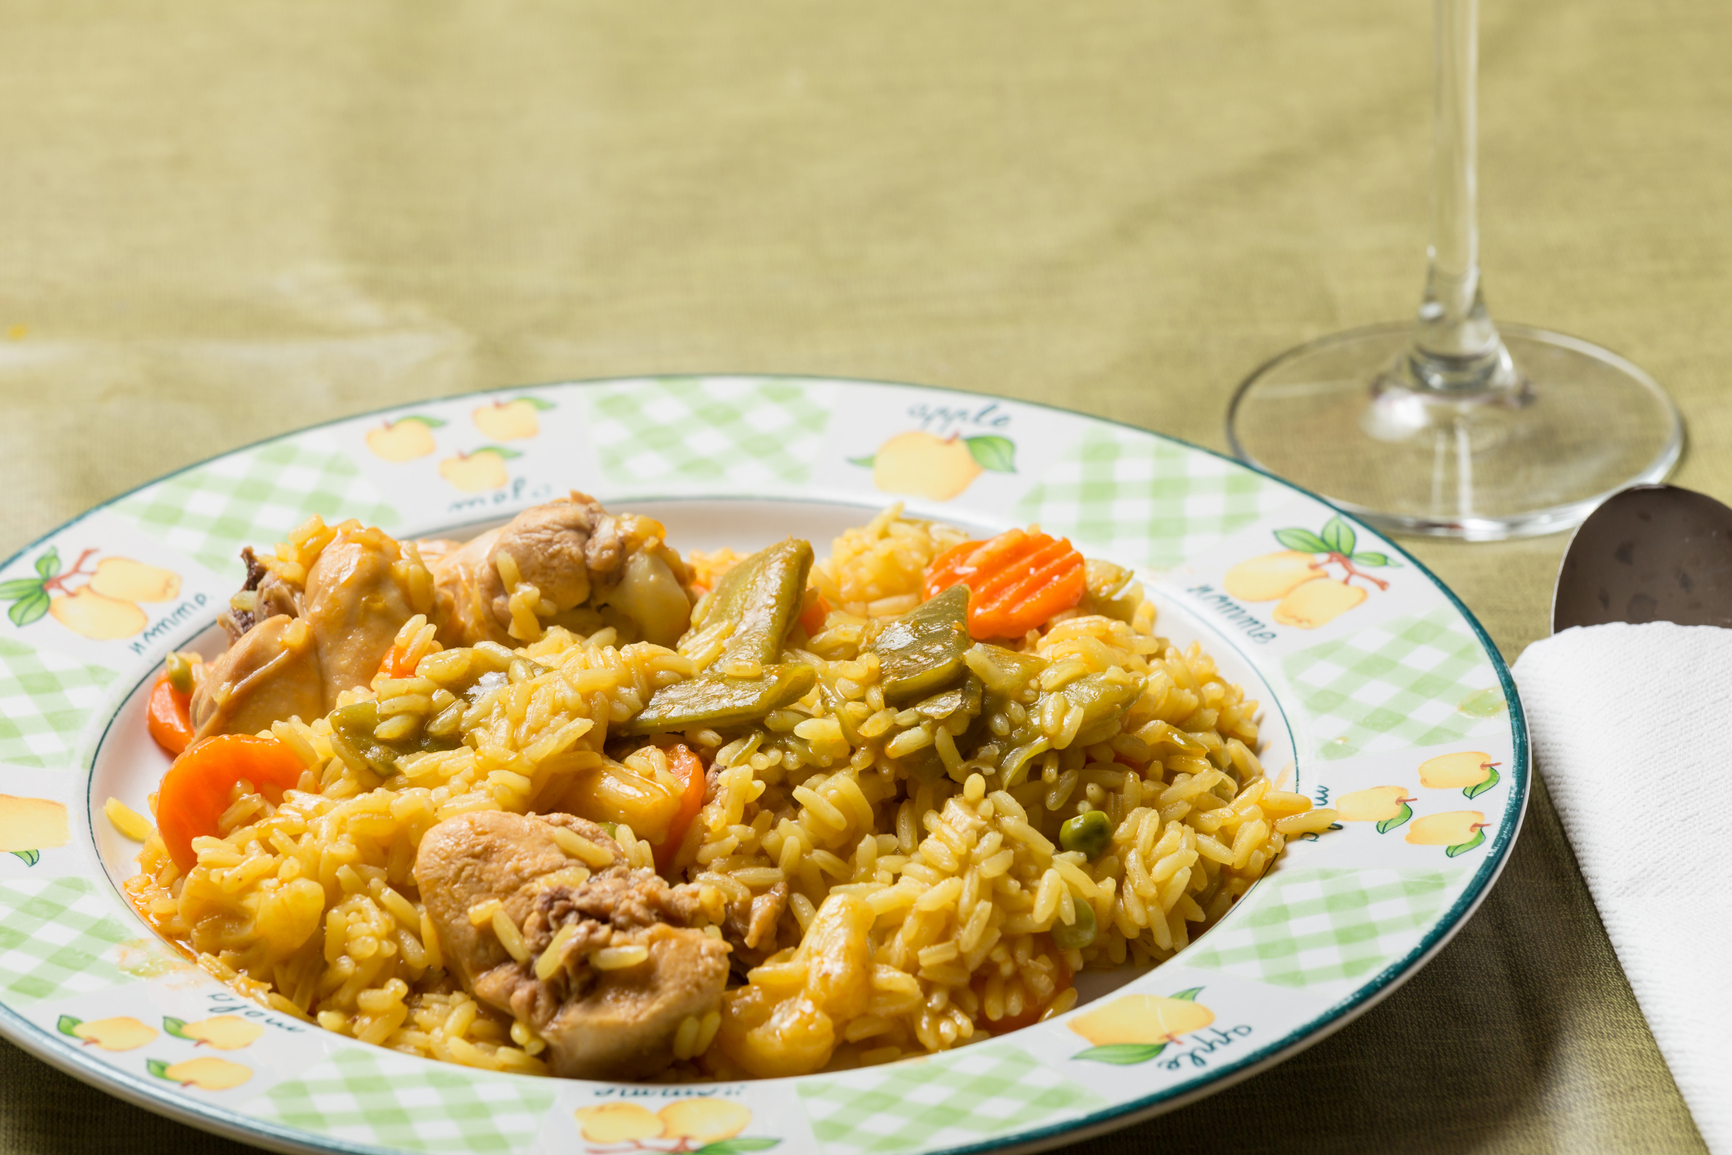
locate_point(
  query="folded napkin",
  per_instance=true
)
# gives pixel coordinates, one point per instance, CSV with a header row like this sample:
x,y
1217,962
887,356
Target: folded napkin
x,y
1632,728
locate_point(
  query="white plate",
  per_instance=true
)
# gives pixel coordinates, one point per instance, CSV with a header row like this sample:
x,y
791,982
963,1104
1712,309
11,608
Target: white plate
x,y
1356,704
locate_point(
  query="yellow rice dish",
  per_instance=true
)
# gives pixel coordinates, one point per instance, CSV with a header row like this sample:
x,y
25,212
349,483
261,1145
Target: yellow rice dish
x,y
561,800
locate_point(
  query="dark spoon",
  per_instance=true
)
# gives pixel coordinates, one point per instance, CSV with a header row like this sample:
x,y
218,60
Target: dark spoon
x,y
1652,553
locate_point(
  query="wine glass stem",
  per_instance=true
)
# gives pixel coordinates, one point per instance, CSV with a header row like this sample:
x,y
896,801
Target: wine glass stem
x,y
1457,346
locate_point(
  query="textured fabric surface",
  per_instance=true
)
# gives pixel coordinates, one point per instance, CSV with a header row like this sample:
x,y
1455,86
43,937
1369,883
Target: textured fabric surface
x,y
1644,806
220,222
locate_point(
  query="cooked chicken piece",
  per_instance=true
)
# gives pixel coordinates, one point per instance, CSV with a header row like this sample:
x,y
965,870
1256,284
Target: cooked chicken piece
x,y
614,1022
576,555
270,674
304,645
751,924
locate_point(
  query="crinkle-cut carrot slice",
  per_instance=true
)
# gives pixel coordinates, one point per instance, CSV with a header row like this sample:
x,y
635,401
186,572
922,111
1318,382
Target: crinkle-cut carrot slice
x,y
1016,581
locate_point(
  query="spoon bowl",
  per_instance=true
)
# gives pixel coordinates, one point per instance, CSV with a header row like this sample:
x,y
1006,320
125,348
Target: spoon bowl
x,y
1651,553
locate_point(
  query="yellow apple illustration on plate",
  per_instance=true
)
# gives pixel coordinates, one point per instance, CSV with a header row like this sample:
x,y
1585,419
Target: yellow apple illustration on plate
x,y
937,468
224,1032
704,1120
1271,576
1459,830
1136,1028
28,826
404,439
618,1123
126,580
117,1034
479,471
1303,575
1385,805
1471,771
511,420
207,1074
1317,603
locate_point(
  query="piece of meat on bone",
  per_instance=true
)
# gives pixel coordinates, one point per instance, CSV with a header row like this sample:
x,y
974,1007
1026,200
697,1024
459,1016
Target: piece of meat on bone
x,y
575,553
310,640
616,1021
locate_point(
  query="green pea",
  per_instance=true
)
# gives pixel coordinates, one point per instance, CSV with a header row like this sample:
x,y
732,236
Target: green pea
x,y
1089,833
1078,934
179,672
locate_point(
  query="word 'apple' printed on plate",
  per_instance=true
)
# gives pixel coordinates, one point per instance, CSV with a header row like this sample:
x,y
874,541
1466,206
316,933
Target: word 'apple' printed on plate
x,y
404,439
28,826
1136,1028
223,1032
705,1125
117,1034
937,468
1471,771
104,607
1459,831
1310,594
511,420
479,470
1388,806
207,1074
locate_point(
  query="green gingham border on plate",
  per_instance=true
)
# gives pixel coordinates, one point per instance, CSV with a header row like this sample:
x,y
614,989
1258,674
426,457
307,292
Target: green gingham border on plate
x,y
1350,934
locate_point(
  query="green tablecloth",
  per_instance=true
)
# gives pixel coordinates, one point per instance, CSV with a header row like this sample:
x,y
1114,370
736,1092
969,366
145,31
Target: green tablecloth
x,y
220,222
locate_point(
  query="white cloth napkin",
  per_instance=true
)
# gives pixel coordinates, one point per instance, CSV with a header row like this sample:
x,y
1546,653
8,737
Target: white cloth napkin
x,y
1632,728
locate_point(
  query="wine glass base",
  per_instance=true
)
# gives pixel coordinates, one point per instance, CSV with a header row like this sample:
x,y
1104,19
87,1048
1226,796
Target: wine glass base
x,y
1341,416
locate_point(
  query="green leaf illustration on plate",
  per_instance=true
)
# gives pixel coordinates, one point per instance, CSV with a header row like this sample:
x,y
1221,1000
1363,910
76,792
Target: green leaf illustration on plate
x,y
866,461
29,596
1122,1054
1491,779
177,1028
1339,536
1301,540
1464,847
30,857
67,1025
992,453
732,1146
1396,819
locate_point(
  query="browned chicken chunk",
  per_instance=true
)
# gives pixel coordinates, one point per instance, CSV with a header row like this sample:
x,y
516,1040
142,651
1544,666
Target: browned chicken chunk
x,y
611,1015
575,554
306,643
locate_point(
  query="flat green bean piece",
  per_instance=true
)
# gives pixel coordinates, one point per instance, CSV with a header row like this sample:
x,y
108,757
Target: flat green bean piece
x,y
922,651
761,595
721,700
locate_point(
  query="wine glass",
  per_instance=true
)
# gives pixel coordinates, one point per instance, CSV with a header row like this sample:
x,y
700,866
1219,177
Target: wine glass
x,y
1454,426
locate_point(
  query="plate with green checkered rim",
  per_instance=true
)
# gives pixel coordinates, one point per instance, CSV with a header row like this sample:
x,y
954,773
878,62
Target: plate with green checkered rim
x,y
1382,699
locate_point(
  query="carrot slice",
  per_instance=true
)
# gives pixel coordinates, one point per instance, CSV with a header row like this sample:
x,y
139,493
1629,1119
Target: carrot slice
x,y
814,611
1016,581
396,664
200,785
168,714
689,768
